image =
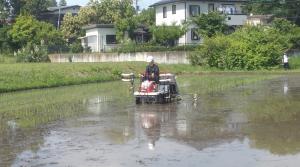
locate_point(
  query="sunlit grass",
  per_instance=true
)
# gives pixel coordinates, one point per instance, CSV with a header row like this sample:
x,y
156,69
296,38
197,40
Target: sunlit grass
x,y
295,62
15,77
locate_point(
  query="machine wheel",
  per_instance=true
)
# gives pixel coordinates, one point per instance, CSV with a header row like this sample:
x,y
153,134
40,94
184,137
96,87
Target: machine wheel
x,y
138,100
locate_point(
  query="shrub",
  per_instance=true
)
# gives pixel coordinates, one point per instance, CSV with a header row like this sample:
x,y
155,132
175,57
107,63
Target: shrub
x,y
248,48
148,47
33,53
76,47
167,35
295,62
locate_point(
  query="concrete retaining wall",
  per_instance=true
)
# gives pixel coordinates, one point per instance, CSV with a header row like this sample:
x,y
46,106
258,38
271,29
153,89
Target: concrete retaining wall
x,y
160,57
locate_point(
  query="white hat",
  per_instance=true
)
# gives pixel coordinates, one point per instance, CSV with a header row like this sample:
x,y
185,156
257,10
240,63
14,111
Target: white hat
x,y
150,59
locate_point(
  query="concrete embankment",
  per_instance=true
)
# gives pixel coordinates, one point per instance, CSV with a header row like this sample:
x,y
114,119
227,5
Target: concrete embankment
x,y
178,57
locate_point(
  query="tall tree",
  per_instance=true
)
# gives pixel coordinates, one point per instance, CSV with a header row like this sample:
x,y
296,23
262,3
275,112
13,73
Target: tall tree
x,y
4,9
62,3
36,7
109,11
210,24
16,6
53,3
28,30
146,17
71,27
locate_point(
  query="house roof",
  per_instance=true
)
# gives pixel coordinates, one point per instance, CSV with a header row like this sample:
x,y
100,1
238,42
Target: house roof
x,y
92,26
52,9
163,2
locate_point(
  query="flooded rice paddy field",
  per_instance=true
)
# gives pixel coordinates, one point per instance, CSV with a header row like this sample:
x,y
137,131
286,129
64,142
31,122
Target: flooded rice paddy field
x,y
223,120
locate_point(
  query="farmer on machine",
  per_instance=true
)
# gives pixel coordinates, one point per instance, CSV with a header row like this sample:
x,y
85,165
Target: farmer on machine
x,y
152,71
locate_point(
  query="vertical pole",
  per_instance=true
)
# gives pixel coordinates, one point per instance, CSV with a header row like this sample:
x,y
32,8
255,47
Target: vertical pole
x,y
136,6
58,21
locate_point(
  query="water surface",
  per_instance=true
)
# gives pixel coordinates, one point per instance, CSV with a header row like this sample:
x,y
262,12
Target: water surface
x,y
223,120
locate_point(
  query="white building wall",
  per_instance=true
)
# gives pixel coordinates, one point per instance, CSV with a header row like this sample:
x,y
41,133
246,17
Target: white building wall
x,y
171,18
180,16
236,20
99,44
94,45
102,38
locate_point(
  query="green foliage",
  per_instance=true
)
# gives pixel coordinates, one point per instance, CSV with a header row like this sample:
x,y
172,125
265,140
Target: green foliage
x,y
146,17
28,30
290,30
167,35
52,3
132,47
128,24
76,47
34,38
33,53
289,9
295,37
109,11
71,27
6,45
62,3
294,62
4,9
282,25
248,48
210,24
35,7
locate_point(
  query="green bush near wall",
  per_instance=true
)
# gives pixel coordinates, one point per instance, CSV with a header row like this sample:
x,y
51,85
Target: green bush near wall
x,y
132,48
249,48
295,62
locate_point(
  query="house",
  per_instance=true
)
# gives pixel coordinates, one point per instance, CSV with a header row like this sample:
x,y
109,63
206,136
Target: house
x,y
99,37
169,12
259,19
55,15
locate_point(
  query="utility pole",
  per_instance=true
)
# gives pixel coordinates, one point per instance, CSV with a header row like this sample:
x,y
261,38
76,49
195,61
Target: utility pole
x,y
136,6
58,21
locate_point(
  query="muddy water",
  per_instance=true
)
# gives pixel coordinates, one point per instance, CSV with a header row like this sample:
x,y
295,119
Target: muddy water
x,y
240,124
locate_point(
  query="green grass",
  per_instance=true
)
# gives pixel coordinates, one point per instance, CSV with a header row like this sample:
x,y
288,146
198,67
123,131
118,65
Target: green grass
x,y
14,77
295,62
5,59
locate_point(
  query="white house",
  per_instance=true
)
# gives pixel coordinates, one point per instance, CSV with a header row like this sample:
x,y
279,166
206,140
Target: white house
x,y
169,12
99,37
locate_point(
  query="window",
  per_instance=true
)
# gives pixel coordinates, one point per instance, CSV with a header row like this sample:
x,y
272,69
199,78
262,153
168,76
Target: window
x,y
194,10
211,7
194,35
173,9
111,39
165,12
227,9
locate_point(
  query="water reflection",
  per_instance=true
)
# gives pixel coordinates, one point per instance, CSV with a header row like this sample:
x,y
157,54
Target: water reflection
x,y
156,118
93,125
285,87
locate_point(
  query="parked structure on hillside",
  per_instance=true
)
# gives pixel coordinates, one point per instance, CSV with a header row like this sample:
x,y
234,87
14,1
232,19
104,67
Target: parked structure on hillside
x,y
169,12
99,37
55,15
256,20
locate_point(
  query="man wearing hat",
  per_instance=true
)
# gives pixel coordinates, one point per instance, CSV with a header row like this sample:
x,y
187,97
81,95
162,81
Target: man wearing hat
x,y
152,70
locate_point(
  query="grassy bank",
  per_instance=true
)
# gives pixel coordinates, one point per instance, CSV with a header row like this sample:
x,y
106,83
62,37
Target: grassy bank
x,y
15,77
43,75
295,62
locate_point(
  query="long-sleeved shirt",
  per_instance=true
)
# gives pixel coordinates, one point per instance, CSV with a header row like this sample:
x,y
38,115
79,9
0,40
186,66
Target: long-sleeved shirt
x,y
152,73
